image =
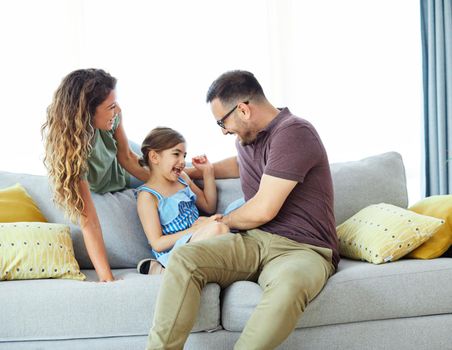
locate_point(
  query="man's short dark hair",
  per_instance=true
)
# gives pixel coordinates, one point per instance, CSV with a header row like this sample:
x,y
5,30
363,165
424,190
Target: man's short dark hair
x,y
233,86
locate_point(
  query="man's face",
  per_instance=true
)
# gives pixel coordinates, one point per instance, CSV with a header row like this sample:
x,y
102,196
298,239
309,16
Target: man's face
x,y
236,123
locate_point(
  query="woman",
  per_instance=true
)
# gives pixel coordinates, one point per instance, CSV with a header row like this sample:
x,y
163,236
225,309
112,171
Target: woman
x,y
86,149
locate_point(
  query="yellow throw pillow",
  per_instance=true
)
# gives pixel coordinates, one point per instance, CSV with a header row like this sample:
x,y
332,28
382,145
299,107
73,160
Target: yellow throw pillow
x,y
31,250
17,205
438,207
383,232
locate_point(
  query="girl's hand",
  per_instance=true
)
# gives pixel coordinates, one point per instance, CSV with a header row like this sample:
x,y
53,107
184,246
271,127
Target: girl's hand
x,y
199,221
216,217
202,163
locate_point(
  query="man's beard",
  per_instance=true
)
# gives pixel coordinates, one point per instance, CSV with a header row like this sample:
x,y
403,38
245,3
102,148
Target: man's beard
x,y
247,139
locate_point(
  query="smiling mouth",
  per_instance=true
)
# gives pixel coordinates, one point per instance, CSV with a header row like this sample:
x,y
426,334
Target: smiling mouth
x,y
178,170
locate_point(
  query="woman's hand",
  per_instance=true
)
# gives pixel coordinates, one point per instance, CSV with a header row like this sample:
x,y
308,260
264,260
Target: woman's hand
x,y
107,279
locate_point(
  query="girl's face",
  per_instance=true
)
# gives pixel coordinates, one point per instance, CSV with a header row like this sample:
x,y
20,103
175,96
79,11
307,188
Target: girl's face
x,y
171,162
105,114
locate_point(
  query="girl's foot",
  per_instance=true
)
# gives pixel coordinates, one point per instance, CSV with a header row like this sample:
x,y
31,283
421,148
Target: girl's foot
x,y
150,266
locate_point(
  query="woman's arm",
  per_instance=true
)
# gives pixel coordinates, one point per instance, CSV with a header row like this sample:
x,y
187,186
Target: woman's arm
x,y
92,235
126,157
147,206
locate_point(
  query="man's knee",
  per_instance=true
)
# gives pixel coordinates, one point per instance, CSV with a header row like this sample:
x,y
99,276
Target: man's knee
x,y
291,293
292,288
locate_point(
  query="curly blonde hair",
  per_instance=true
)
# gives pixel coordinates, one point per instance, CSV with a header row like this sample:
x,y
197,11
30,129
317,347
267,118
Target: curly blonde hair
x,y
68,131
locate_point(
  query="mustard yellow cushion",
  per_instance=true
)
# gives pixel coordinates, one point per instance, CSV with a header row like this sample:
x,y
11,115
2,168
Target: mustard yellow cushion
x,y
31,250
438,207
17,205
383,232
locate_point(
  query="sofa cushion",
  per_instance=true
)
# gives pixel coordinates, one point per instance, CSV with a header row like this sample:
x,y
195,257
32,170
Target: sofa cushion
x,y
16,205
383,232
37,250
439,207
228,191
359,291
371,180
123,234
67,309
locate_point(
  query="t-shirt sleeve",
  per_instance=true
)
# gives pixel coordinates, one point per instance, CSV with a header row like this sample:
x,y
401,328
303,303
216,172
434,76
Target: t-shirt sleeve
x,y
294,150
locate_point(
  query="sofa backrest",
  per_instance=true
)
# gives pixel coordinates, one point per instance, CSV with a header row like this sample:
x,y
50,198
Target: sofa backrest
x,y
124,238
357,184
372,180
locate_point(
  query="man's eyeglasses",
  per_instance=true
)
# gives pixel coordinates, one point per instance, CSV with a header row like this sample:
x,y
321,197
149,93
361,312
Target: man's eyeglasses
x,y
220,122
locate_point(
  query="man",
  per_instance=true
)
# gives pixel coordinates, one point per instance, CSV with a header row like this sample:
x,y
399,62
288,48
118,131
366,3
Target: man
x,y
287,239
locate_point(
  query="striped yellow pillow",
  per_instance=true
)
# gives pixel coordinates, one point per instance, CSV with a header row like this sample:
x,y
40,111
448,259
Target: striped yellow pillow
x,y
383,232
30,250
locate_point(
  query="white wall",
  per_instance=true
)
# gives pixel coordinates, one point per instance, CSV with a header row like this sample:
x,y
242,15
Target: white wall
x,y
351,67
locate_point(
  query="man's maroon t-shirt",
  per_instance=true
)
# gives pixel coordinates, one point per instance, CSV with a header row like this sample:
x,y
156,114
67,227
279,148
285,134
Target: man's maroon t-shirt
x,y
290,148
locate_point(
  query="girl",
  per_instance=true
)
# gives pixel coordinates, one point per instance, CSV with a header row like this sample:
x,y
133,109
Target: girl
x,y
167,201
86,148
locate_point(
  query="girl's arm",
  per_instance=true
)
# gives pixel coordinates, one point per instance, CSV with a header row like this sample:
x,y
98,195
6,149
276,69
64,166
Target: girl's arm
x,y
147,206
206,199
92,235
126,157
226,169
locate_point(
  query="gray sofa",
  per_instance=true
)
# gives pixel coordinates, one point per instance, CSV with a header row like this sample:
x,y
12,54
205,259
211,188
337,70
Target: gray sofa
x,y
400,305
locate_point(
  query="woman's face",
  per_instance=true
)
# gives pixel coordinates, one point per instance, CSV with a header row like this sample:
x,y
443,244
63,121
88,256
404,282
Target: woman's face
x,y
104,117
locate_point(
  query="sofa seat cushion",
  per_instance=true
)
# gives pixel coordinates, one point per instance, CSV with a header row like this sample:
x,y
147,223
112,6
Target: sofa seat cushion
x,y
67,309
359,291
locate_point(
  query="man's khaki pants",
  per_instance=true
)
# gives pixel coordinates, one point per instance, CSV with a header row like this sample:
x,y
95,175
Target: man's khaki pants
x,y
291,274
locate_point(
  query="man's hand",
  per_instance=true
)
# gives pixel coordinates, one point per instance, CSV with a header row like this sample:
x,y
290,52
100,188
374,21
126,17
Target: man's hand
x,y
208,227
202,220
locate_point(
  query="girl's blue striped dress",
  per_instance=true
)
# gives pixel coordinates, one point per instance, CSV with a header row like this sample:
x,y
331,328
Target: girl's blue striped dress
x,y
177,212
